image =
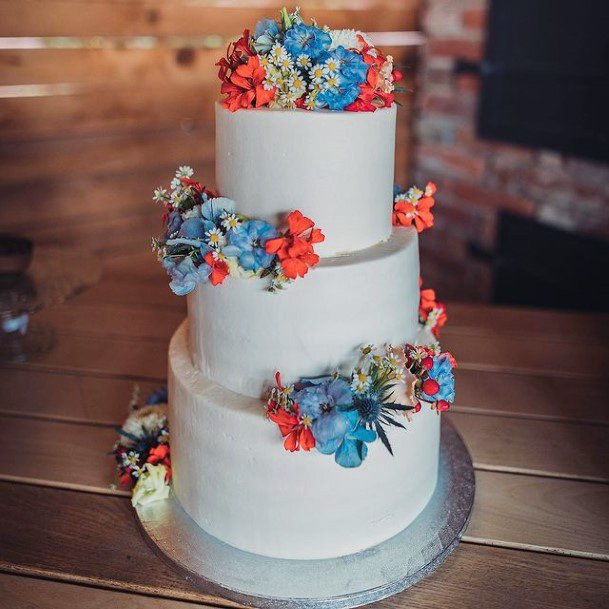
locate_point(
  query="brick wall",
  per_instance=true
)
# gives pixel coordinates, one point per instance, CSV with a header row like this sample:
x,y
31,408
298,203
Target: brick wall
x,y
476,178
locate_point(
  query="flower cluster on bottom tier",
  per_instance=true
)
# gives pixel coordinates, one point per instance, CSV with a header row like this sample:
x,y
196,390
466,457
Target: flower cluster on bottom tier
x,y
341,414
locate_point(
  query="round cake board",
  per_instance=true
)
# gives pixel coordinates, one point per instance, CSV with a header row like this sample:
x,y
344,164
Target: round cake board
x,y
335,583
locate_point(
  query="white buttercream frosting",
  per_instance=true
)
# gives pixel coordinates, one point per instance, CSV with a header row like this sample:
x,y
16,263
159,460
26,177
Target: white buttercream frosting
x,y
335,167
232,475
242,334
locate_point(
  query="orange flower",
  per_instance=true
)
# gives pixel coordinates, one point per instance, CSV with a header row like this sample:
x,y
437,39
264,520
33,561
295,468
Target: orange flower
x,y
161,454
295,249
415,209
244,88
219,269
296,431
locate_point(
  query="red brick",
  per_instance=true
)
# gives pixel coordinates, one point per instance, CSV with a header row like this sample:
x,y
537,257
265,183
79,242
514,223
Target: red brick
x,y
449,160
463,106
459,48
469,83
483,197
474,19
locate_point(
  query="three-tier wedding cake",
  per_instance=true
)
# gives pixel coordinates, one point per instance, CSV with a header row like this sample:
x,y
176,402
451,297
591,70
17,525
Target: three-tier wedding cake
x,y
306,324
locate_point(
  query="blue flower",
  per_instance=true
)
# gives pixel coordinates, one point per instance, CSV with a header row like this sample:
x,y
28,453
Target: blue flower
x,y
185,275
338,98
353,449
173,224
442,373
247,244
193,228
266,33
212,209
321,395
158,396
306,39
352,67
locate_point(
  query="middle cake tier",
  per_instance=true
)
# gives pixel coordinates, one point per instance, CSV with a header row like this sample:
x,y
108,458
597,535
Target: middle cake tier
x,y
241,334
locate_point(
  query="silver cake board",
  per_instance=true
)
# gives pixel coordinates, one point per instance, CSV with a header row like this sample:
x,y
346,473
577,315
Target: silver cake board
x,y
336,583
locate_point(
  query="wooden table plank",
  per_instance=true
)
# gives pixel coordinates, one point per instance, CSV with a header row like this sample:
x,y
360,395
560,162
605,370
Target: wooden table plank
x,y
92,539
541,514
18,592
69,455
475,318
554,448
529,395
74,397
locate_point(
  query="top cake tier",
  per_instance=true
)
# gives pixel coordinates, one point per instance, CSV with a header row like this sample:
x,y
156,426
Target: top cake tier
x,y
335,167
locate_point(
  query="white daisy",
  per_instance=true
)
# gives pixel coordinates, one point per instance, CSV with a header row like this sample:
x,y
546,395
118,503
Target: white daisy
x,y
218,255
278,54
160,194
230,221
296,84
360,380
215,237
303,61
332,82
184,171
131,458
310,103
332,64
318,73
175,184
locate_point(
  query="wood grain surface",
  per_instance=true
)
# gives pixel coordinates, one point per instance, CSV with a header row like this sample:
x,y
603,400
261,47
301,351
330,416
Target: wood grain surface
x,y
91,539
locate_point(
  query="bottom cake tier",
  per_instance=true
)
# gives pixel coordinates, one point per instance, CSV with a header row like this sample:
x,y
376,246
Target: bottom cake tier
x,y
233,477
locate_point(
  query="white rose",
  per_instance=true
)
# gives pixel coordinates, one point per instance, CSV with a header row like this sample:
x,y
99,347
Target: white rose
x,y
151,485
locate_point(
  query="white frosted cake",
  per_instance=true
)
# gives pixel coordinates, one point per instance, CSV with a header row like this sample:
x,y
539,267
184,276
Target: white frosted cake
x,y
316,335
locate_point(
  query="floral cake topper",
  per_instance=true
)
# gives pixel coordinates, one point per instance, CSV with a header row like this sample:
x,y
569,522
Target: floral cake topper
x,y
205,240
288,64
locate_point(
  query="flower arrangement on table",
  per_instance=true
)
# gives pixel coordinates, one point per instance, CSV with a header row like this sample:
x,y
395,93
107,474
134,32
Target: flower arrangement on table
x,y
289,64
142,453
205,240
341,414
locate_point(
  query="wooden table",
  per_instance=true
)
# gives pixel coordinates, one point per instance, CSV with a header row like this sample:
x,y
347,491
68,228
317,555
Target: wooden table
x,y
532,408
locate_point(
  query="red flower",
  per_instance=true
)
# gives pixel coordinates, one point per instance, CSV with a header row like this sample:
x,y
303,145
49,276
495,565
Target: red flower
x,y
125,479
244,87
161,455
373,94
295,248
188,182
409,210
296,430
427,306
236,54
219,269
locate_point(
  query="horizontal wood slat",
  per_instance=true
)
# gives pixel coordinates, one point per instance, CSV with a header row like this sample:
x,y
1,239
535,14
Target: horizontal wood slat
x,y
71,455
18,592
107,111
68,396
99,168
554,448
94,540
158,18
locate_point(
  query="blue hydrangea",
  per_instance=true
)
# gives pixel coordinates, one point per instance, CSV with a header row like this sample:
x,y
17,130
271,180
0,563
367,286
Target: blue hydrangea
x,y
321,395
306,39
247,244
352,67
338,98
442,373
185,275
266,34
213,209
